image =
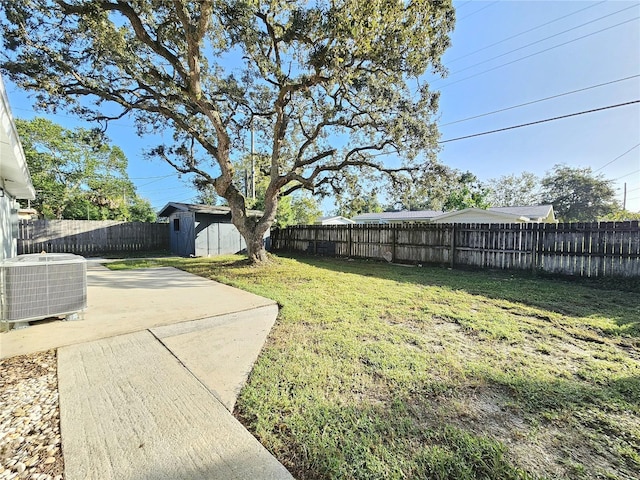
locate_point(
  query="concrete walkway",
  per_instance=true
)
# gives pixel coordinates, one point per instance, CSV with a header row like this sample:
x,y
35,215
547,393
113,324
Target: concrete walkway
x,y
148,379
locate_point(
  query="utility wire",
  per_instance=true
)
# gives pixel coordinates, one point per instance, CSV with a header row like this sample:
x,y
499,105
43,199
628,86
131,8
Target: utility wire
x,y
156,180
539,100
149,178
477,11
539,41
635,171
537,53
522,33
618,157
39,113
540,121
462,5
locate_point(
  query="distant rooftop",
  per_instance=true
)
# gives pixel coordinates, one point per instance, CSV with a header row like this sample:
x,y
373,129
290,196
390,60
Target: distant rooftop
x,y
405,215
531,211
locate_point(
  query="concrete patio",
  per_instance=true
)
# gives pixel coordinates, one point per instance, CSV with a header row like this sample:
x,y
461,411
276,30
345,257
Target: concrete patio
x,y
148,379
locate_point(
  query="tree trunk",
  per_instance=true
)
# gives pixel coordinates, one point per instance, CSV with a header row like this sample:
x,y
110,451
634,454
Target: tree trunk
x,y
252,229
255,247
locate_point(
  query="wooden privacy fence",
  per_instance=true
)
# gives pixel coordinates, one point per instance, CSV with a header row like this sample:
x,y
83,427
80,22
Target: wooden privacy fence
x,y
582,249
84,237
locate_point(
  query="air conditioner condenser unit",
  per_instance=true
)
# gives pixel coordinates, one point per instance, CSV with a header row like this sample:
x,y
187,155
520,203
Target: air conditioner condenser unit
x,y
39,286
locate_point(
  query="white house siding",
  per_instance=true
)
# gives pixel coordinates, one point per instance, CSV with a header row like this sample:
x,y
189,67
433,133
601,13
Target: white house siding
x,y
15,181
8,227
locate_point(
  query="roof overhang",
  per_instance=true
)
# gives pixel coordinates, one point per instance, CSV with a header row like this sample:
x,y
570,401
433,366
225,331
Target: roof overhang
x,y
14,173
218,210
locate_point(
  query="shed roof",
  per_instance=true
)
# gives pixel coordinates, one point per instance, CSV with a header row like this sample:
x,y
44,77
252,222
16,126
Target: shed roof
x,y
219,210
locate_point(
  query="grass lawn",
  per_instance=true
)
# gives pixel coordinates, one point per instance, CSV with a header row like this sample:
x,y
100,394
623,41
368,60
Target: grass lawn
x,y
375,371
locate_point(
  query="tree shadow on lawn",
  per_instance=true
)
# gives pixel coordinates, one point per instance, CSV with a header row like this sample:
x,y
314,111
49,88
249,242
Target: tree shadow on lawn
x,y
561,296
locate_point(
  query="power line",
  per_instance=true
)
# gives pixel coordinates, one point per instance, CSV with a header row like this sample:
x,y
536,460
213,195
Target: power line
x,y
537,53
169,188
541,40
522,33
540,100
635,171
112,122
477,11
540,121
618,157
149,178
462,5
156,180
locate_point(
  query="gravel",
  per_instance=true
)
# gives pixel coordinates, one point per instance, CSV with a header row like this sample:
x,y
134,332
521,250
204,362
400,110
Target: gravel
x,y
30,446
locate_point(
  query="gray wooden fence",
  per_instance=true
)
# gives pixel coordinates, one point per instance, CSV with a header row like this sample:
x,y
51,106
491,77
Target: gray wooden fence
x,y
86,237
581,249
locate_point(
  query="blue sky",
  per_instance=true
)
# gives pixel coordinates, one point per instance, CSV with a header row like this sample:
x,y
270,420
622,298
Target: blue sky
x,y
558,60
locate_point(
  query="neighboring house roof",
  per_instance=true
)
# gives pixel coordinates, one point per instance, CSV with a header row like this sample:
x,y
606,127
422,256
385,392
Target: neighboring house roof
x,y
334,219
404,216
14,173
173,207
534,213
27,213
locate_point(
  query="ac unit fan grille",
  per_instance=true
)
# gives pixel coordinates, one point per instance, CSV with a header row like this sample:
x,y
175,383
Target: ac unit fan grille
x,y
45,290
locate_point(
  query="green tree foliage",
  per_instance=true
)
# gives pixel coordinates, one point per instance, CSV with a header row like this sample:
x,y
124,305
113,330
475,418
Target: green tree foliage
x,y
78,175
468,192
577,194
620,215
440,189
330,87
350,206
514,190
297,209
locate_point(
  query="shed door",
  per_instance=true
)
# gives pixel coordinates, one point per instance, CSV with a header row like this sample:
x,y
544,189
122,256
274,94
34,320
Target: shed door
x,y
182,234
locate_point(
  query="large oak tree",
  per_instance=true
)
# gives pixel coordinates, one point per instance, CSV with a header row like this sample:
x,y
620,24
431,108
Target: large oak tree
x,y
329,86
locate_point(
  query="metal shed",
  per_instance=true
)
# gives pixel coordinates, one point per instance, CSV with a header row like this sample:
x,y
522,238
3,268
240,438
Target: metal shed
x,y
203,230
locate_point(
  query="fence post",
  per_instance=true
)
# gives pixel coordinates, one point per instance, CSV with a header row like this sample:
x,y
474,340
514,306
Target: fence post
x,y
453,245
315,241
534,245
349,246
394,229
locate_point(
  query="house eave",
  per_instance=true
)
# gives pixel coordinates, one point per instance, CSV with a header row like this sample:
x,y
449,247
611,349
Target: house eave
x,y
14,172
